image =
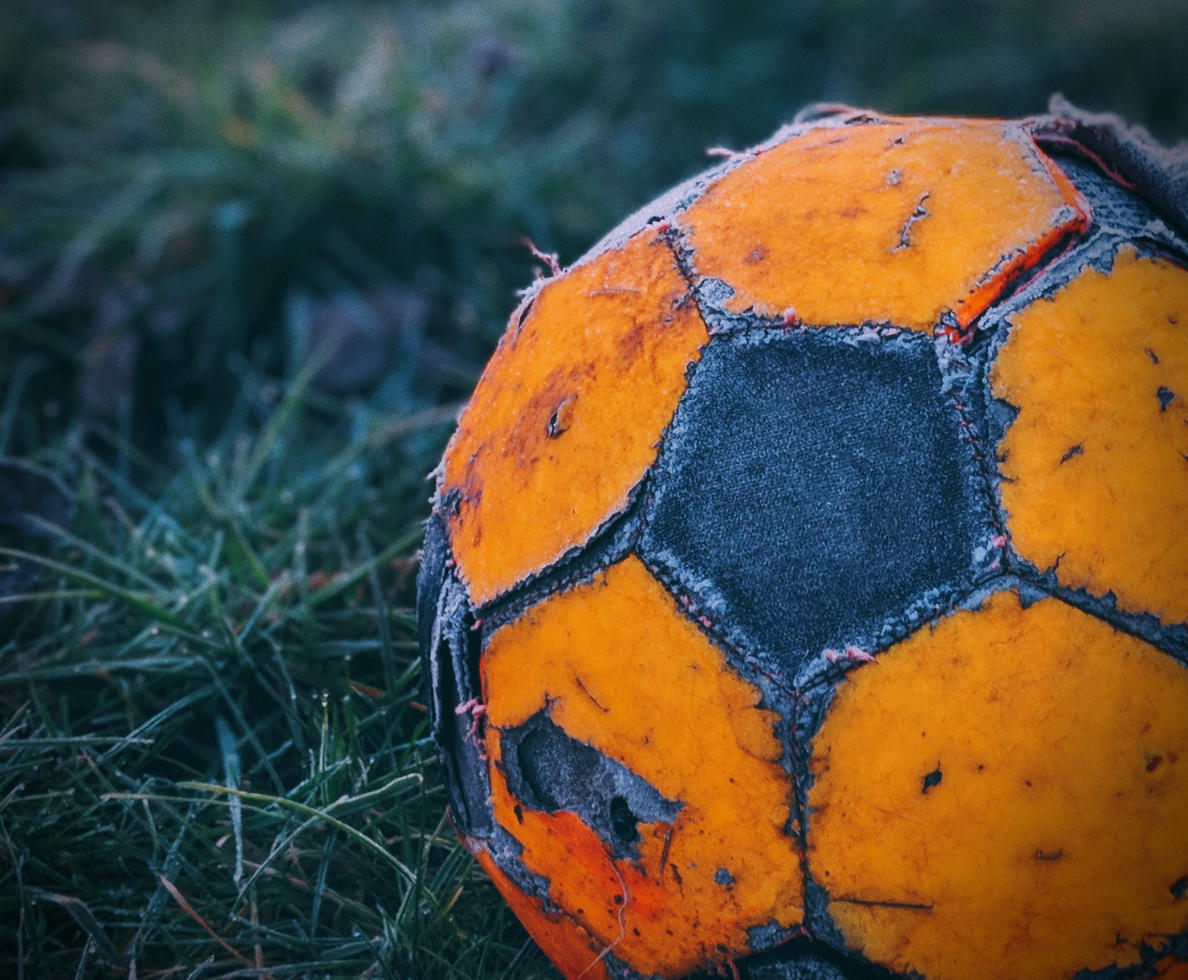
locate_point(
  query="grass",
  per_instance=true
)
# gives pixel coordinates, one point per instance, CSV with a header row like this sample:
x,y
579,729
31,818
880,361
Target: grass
x,y
213,751
252,258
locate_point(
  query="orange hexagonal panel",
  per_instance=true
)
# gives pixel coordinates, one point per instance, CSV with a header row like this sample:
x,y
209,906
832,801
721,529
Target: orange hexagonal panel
x,y
1095,465
557,418
1170,968
1003,795
896,221
574,952
613,669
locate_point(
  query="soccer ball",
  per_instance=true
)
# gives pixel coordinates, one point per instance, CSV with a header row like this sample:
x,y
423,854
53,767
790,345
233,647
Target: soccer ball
x,y
806,586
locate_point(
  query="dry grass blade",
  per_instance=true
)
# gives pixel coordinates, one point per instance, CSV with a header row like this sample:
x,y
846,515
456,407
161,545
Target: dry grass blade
x,y
189,910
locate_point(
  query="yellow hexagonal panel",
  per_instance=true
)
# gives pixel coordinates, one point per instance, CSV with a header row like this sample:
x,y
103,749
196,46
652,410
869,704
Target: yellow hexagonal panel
x,y
619,668
1095,465
893,221
558,419
1004,796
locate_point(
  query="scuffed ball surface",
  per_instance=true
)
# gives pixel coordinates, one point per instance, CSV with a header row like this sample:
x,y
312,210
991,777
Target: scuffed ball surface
x,y
806,589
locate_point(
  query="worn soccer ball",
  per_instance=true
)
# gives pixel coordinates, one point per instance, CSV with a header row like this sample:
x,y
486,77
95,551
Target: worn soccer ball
x,y
805,589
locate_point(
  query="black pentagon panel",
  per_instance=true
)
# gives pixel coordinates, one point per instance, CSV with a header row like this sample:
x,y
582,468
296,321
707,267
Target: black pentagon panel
x,y
807,959
449,661
814,491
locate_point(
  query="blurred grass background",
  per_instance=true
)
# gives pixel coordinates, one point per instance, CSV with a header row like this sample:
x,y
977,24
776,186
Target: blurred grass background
x,y
252,258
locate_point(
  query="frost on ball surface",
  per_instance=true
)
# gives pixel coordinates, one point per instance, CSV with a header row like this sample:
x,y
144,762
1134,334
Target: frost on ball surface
x,y
804,593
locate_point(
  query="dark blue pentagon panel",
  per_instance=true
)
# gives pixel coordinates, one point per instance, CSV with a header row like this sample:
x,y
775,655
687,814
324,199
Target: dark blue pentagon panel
x,y
449,661
814,492
808,959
